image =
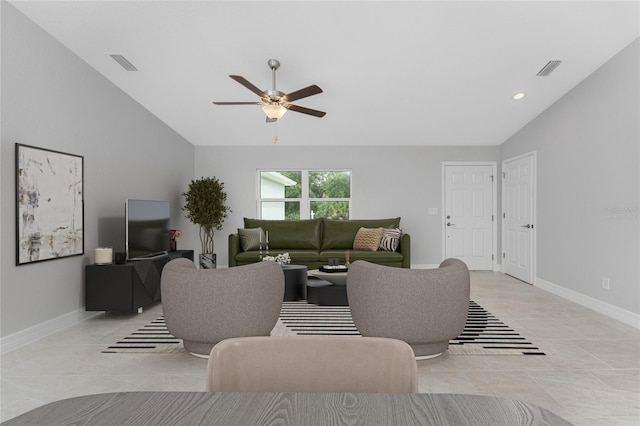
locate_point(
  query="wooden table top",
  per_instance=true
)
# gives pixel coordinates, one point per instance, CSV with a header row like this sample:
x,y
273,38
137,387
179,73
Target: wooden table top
x,y
204,408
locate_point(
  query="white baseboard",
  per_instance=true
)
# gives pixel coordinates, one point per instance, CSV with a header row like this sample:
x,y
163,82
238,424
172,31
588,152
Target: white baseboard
x,y
37,332
604,308
496,268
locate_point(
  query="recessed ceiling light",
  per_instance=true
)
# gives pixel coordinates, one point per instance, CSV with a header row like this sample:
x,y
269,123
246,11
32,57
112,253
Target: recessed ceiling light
x,y
518,96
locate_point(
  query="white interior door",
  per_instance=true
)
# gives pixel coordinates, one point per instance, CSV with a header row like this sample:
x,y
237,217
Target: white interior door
x,y
469,215
518,217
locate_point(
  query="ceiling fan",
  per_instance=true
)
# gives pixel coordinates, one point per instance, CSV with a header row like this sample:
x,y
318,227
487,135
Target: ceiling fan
x,y
274,102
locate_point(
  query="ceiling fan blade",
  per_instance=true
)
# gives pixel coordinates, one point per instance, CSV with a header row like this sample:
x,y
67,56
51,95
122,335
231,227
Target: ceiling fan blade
x,y
237,103
302,93
248,85
304,110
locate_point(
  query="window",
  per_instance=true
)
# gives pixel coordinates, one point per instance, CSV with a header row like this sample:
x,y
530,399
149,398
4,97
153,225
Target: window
x,y
304,194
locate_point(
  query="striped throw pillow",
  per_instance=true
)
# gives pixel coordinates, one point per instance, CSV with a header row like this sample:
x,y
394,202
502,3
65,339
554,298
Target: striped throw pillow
x,y
390,239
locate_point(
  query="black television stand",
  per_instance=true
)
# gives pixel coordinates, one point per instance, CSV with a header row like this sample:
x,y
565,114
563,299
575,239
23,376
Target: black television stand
x,y
150,256
128,287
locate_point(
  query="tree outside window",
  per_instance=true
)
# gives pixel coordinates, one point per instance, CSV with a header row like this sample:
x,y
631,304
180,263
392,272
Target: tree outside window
x,y
305,194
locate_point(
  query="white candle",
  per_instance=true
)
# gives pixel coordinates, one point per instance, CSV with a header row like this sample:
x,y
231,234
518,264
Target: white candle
x,y
103,255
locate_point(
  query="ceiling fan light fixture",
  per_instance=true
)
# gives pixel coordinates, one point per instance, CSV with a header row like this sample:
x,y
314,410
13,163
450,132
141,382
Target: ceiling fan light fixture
x,y
274,102
274,111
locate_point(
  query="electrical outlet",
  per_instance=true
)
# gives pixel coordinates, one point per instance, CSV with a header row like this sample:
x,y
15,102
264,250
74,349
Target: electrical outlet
x,y
605,283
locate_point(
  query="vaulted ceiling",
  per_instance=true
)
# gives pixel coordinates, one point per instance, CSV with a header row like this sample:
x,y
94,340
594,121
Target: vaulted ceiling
x,y
392,72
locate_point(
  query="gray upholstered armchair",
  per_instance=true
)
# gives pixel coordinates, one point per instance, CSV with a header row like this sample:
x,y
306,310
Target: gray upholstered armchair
x,y
424,307
204,306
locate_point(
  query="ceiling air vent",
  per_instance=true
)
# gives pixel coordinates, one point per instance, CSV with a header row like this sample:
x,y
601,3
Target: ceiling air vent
x,y
549,68
123,61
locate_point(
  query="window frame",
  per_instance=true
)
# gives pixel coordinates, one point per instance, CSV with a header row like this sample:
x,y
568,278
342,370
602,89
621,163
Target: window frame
x,y
305,201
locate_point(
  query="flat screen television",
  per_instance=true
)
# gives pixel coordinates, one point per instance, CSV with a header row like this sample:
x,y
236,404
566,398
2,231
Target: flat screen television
x,y
147,228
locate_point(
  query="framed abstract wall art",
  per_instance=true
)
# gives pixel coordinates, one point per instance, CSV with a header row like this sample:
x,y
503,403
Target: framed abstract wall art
x,y
49,204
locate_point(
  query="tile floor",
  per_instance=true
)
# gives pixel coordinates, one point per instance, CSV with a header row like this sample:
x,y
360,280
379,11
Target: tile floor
x,y
590,375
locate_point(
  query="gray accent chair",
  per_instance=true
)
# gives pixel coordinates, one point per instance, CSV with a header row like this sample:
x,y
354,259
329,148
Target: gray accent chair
x,y
423,307
204,306
312,364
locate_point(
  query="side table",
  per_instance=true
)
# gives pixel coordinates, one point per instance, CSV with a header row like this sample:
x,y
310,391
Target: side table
x,y
324,293
337,278
295,282
327,288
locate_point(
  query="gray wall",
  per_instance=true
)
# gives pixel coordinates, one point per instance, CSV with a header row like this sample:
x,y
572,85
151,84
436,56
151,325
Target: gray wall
x,y
588,183
52,99
387,182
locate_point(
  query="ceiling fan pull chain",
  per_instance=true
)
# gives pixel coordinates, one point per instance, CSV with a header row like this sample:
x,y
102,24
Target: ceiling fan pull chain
x,y
275,138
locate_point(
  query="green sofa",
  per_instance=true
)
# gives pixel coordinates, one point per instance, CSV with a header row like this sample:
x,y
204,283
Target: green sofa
x,y
313,242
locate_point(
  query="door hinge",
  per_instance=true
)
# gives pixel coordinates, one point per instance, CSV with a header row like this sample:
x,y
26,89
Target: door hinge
x,y
492,258
491,218
504,255
504,215
504,175
491,176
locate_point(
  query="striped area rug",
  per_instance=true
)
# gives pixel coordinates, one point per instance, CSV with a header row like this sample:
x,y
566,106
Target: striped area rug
x,y
152,338
484,334
303,319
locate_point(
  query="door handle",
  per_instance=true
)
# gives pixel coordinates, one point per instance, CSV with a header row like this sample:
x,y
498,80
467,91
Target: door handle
x,y
526,226
451,224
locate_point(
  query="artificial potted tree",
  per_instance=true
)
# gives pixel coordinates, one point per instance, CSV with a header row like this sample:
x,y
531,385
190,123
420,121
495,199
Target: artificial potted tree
x,y
205,206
